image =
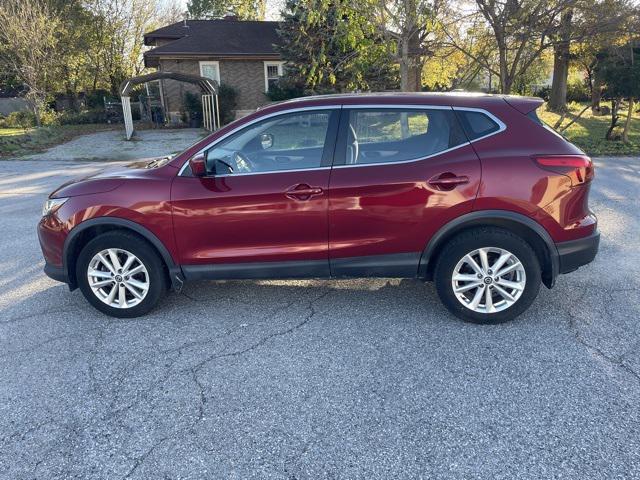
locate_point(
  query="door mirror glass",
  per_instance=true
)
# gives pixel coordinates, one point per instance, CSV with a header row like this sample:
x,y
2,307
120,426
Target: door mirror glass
x,y
266,141
198,165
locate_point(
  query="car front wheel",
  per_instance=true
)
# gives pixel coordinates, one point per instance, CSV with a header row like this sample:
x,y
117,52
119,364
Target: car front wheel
x,y
487,275
120,274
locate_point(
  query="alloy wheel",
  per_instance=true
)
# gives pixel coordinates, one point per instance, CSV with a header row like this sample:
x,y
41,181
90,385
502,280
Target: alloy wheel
x,y
118,278
488,280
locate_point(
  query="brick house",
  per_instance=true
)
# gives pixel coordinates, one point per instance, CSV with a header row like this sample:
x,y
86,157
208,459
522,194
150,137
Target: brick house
x,y
237,53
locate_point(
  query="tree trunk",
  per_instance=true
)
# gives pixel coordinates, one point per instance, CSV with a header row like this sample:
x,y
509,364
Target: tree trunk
x,y
410,64
596,94
614,119
558,94
404,65
36,113
627,123
505,81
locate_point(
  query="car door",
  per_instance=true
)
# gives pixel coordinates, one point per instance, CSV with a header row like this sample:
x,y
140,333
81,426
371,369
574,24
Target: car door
x,y
261,211
400,173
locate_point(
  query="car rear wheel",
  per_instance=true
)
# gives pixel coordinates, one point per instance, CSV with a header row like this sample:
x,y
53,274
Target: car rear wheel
x,y
121,275
487,275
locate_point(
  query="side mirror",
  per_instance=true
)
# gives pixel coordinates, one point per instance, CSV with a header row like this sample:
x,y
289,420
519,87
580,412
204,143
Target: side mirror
x,y
198,165
266,141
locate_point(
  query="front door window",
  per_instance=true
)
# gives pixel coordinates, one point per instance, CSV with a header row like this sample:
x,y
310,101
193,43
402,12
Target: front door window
x,y
286,142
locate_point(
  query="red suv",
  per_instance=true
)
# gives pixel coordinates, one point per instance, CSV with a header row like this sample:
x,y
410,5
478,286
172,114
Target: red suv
x,y
471,191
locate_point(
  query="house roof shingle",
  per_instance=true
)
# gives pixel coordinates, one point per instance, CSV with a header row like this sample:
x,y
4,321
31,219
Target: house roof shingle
x,y
219,38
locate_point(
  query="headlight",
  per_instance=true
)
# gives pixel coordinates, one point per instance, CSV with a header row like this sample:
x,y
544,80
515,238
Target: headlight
x,y
51,205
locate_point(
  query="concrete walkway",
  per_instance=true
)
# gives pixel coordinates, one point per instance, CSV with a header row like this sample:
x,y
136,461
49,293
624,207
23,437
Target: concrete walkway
x,y
111,145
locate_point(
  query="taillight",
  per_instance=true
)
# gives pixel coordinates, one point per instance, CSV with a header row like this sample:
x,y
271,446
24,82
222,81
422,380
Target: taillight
x,y
578,167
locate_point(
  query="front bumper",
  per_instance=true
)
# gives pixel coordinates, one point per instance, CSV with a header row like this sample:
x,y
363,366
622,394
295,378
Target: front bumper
x,y
576,253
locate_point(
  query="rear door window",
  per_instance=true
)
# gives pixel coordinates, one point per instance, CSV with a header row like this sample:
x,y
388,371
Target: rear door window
x,y
399,135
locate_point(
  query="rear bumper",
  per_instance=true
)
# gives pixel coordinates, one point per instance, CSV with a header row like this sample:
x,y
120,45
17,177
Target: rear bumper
x,y
56,273
576,253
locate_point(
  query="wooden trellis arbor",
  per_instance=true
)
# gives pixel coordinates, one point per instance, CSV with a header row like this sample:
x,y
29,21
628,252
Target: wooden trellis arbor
x,y
210,108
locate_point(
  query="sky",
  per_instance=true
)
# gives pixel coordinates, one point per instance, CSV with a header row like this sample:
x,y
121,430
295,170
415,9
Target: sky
x,y
273,7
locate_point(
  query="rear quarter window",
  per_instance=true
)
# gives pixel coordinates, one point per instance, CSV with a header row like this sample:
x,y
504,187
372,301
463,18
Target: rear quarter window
x,y
476,124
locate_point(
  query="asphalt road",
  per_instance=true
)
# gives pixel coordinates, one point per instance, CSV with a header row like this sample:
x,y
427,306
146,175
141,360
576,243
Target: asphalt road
x,y
313,379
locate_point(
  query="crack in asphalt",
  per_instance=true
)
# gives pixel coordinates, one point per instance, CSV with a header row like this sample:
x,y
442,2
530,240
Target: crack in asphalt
x,y
141,459
38,314
574,321
37,346
265,339
202,398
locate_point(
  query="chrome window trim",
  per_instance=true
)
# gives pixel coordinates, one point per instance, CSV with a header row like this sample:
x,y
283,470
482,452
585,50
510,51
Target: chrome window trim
x,y
501,128
411,160
243,174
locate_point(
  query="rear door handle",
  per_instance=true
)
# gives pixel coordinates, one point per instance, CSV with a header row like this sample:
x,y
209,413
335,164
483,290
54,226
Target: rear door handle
x,y
303,192
448,181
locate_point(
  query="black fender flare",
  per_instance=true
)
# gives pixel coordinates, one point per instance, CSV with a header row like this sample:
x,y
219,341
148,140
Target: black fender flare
x,y
498,218
175,272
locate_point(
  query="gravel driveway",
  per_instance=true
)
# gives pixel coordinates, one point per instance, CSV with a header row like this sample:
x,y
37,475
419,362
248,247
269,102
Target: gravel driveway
x,y
312,379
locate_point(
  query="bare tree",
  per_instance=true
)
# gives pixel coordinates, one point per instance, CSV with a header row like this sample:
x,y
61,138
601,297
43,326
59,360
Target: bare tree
x,y
28,32
410,26
116,42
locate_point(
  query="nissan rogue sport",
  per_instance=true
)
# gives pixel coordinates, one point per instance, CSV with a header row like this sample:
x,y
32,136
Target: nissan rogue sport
x,y
473,192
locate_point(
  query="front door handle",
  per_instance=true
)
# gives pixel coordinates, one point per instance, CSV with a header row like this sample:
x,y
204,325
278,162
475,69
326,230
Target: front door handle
x,y
303,192
448,181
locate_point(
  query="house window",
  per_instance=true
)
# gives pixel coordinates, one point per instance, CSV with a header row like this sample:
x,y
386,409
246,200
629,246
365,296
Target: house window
x,y
272,73
210,70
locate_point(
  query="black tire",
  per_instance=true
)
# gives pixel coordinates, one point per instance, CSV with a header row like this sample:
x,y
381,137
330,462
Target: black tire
x,y
481,237
143,251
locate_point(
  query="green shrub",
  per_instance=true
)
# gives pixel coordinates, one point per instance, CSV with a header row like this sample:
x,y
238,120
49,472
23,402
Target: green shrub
x,y
20,119
95,99
544,93
284,91
193,107
227,101
578,92
49,117
82,118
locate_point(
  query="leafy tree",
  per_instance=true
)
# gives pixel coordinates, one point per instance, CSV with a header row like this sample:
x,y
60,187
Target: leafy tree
x,y
211,9
411,28
620,71
329,45
588,22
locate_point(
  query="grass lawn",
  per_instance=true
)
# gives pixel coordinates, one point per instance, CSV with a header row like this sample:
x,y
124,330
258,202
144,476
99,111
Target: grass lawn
x,y
588,131
15,142
12,132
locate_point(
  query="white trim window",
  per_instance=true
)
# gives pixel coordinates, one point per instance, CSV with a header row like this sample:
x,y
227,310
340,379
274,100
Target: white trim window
x,y
210,69
272,73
